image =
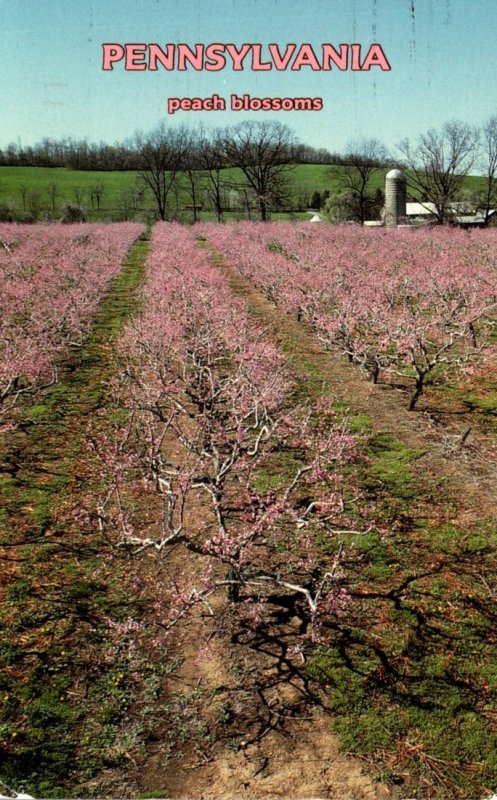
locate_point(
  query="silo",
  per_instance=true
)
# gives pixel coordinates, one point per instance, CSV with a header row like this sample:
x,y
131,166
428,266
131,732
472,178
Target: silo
x,y
395,198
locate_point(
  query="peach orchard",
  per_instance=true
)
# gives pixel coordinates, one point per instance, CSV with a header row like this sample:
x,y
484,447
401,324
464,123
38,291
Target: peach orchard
x,y
209,398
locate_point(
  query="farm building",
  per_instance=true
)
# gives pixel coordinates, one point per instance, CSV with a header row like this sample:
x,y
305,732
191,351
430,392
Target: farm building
x,y
463,214
400,212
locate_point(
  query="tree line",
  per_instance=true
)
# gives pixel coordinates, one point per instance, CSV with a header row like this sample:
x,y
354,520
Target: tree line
x,y
194,162
264,153
80,154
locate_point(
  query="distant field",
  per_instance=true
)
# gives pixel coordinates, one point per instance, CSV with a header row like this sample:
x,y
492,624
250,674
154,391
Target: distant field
x,y
28,188
38,181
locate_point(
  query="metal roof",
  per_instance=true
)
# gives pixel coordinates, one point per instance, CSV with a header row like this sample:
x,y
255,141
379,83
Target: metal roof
x,y
420,209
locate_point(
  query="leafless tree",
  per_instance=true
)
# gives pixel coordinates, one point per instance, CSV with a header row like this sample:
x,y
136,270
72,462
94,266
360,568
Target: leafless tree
x,y
438,164
161,153
212,161
488,157
177,189
78,193
363,157
97,190
23,191
35,203
265,152
191,168
53,193
138,194
126,205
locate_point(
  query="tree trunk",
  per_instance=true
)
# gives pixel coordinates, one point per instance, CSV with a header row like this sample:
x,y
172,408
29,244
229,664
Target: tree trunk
x,y
417,391
233,590
263,209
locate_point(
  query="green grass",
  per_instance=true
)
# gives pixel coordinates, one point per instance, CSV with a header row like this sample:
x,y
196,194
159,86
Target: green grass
x,y
417,672
303,180
410,676
477,400
418,689
38,179
391,465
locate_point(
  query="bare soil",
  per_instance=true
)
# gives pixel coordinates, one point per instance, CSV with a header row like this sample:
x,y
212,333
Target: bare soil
x,y
271,730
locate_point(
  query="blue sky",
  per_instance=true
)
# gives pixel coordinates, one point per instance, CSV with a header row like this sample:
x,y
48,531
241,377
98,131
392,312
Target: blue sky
x,y
443,55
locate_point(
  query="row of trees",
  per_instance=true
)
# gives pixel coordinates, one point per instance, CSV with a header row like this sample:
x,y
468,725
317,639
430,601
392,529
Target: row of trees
x,y
51,281
437,164
83,155
195,162
378,300
208,396
264,153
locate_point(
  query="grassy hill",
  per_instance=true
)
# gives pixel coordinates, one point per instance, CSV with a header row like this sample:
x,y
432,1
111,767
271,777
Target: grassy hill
x,y
30,190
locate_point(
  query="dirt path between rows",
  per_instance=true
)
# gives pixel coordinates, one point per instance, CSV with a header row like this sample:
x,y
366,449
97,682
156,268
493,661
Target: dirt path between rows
x,y
273,736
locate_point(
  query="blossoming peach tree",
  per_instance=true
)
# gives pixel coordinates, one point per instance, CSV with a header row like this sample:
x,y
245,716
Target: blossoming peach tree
x,y
415,304
51,279
243,485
